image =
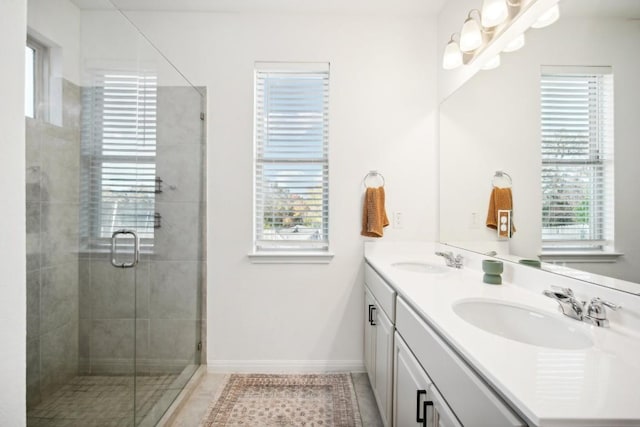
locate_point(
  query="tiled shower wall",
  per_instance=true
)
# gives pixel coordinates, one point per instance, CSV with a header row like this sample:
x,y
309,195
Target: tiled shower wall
x,y
52,161
168,282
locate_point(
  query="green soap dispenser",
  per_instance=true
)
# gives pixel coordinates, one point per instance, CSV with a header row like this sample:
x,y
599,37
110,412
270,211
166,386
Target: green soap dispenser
x,y
492,271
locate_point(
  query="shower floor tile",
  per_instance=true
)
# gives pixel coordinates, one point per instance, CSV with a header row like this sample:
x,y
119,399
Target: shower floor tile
x,y
100,401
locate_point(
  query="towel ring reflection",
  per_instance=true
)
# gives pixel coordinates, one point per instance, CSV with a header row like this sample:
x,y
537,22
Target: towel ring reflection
x,y
373,174
501,174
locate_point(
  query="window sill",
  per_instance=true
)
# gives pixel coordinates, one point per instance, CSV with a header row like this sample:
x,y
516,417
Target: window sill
x,y
290,257
580,256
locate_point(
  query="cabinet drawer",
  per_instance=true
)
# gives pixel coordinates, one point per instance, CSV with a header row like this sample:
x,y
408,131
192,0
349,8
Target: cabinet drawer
x,y
474,403
383,293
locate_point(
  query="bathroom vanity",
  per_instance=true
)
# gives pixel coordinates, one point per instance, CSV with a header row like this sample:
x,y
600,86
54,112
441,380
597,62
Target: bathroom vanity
x,y
442,348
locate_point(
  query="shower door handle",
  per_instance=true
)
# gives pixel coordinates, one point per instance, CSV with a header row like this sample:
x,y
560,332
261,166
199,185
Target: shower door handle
x,y
136,249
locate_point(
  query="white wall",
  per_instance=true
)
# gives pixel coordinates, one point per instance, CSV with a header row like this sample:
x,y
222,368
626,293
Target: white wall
x,y
110,42
13,18
383,113
57,23
494,119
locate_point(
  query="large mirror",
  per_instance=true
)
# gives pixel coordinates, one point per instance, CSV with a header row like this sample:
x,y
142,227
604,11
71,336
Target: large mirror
x,y
494,122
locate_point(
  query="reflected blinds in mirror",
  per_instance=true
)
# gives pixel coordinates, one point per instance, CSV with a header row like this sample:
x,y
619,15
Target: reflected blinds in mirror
x,y
577,157
119,156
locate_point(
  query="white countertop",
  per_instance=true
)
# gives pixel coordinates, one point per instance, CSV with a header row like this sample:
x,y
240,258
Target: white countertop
x,y
596,386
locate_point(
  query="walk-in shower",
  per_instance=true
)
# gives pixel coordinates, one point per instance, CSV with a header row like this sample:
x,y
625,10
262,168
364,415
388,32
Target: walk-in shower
x,y
115,221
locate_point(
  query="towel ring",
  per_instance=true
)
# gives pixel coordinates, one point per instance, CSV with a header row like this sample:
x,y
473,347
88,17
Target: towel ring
x,y
501,174
373,174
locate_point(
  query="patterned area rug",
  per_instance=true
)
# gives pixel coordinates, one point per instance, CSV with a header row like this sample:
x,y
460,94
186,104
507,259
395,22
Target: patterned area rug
x,y
285,400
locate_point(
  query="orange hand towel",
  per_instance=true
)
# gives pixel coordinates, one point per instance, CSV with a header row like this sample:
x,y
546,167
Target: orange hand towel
x,y
501,199
374,216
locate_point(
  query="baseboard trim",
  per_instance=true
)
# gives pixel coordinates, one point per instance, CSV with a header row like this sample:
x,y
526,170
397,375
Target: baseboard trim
x,y
284,366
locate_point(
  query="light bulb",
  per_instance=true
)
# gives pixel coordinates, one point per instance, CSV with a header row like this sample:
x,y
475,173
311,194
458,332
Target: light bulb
x,y
547,18
452,57
515,44
470,35
494,12
492,63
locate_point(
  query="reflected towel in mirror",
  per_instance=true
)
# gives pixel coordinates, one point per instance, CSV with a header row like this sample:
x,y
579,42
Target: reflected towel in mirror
x,y
501,199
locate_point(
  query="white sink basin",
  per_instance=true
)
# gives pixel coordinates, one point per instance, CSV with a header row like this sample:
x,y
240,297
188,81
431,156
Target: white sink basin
x,y
420,267
522,323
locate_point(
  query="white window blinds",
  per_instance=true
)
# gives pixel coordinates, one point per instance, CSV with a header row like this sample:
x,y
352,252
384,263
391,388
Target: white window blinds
x,y
118,155
291,159
577,158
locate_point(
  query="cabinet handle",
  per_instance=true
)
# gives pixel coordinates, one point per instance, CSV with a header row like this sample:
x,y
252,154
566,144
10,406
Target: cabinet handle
x,y
418,394
426,403
372,322
370,307
424,410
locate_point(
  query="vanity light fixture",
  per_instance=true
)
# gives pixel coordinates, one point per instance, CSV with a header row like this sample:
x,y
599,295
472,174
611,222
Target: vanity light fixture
x,y
494,12
514,44
500,27
471,33
492,63
547,18
452,57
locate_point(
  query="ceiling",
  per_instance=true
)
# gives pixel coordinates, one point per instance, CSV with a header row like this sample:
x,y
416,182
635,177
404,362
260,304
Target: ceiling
x,y
629,9
600,8
347,7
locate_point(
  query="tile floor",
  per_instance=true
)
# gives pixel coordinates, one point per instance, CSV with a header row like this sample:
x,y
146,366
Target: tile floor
x,y
99,401
194,408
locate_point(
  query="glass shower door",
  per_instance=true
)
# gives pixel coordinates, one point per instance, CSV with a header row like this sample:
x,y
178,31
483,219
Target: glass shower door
x,y
117,180
117,226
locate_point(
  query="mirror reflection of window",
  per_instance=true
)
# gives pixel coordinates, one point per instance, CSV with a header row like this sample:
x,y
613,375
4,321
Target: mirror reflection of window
x,y
577,158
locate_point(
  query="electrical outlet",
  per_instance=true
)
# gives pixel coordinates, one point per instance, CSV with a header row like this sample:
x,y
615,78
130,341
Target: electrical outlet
x,y
398,220
474,221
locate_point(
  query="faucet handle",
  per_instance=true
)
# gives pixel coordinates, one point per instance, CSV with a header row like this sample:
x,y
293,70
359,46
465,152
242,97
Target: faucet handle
x,y
610,304
458,260
564,291
596,313
596,306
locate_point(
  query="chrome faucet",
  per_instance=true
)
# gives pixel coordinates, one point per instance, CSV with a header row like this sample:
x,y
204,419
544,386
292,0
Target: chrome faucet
x,y
569,304
596,314
592,312
455,262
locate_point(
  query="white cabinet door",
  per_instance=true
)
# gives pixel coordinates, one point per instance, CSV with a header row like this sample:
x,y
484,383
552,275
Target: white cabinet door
x,y
442,415
410,387
416,401
384,364
369,337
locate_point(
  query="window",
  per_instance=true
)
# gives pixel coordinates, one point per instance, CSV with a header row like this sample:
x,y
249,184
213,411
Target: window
x,y
291,157
36,78
577,158
30,82
119,157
